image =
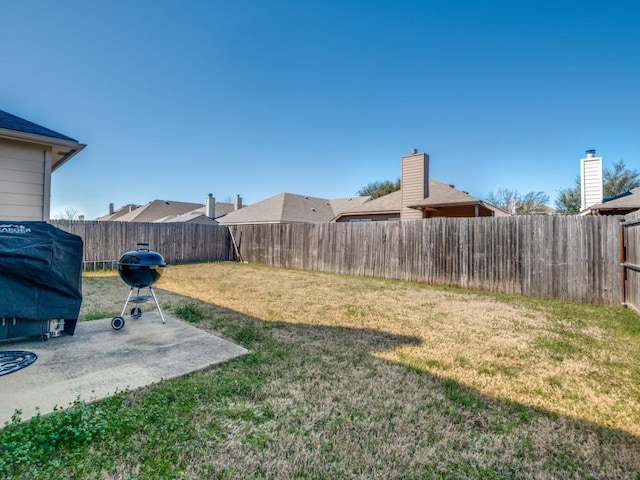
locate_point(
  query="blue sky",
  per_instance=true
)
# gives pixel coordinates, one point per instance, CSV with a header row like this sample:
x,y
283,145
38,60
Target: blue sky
x,y
178,99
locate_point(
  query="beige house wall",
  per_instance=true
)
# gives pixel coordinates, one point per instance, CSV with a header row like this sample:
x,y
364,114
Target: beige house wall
x,y
25,181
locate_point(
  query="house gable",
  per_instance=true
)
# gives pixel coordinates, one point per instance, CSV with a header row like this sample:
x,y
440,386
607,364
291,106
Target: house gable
x,y
28,154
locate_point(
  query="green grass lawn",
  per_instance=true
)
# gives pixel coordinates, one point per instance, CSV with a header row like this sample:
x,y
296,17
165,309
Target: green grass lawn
x,y
357,378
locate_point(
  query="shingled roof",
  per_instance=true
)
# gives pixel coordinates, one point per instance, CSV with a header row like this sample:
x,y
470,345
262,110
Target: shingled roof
x,y
13,122
444,195
440,195
622,204
166,211
290,208
18,129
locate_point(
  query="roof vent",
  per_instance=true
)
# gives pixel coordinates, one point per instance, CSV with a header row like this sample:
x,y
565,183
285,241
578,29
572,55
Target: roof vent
x,y
591,153
414,151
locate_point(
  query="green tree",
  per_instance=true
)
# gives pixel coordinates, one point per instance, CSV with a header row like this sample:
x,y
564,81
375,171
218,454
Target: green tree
x,y
568,201
532,203
380,189
615,181
619,180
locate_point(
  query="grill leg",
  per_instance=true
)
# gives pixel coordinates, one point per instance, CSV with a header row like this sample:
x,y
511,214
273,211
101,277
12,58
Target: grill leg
x,y
125,303
153,294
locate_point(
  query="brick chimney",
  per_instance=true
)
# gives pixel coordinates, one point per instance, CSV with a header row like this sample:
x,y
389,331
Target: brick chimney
x,y
237,202
210,206
414,183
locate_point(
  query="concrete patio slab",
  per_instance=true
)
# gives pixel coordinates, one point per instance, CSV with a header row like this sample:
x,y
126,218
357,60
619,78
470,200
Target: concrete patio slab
x,y
98,361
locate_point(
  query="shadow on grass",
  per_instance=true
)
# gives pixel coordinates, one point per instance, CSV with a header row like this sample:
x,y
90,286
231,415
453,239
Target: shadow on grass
x,y
309,402
467,433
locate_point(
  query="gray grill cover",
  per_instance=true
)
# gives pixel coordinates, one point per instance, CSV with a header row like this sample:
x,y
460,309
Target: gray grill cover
x,y
40,272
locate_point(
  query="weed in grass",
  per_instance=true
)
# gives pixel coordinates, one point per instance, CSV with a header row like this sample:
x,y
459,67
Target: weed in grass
x,y
461,360
256,440
350,311
554,381
486,370
520,412
493,369
420,364
189,312
461,395
95,315
249,334
559,349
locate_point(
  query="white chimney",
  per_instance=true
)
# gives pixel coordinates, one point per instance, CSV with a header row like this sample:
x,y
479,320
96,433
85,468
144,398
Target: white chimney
x,y
590,180
210,206
237,202
414,182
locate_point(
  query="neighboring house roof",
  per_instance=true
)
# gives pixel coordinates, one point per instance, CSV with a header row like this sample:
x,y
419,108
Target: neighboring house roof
x,y
16,128
386,204
167,211
221,209
443,195
119,212
440,195
290,208
624,203
158,209
191,217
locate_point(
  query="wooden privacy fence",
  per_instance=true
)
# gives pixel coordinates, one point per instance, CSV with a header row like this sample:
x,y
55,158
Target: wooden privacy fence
x,y
105,242
568,258
630,260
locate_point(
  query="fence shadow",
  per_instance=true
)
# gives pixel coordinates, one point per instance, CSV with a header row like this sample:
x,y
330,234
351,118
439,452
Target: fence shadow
x,y
332,375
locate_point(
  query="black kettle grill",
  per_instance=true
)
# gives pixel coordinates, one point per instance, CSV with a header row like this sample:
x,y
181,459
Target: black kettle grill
x,y
139,269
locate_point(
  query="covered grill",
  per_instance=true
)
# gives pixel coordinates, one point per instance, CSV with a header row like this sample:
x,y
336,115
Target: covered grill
x,y
139,269
40,280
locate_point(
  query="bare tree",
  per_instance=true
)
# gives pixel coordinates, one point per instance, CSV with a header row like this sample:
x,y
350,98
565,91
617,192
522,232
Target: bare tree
x,y
532,203
69,213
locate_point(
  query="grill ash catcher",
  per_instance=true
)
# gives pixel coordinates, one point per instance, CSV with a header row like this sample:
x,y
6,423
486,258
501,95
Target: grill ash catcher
x,y
139,269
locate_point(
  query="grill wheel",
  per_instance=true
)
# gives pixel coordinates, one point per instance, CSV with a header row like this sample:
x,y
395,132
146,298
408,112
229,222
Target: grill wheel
x,y
117,323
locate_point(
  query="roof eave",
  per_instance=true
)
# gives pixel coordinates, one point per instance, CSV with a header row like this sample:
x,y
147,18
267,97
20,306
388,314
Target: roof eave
x,y
59,158
365,214
447,204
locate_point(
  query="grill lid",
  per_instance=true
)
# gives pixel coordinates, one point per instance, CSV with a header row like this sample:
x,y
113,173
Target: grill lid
x,y
142,257
142,267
